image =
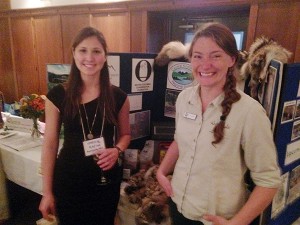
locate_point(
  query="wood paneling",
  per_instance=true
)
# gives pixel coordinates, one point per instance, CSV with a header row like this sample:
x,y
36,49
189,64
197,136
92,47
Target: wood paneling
x,y
159,31
138,31
279,21
116,29
252,25
48,45
297,50
71,24
24,57
7,80
4,4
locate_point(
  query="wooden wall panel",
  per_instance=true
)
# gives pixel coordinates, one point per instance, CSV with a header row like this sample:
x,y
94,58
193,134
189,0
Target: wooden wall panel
x,y
48,45
138,31
4,4
116,29
297,52
280,22
297,33
24,57
71,24
7,80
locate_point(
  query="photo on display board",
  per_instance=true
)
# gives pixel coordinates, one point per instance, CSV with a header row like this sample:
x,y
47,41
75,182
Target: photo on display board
x,y
288,111
279,200
139,124
294,185
57,74
170,101
296,130
297,112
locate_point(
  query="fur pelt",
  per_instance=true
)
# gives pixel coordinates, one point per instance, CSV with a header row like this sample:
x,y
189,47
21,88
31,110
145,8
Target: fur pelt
x,y
170,51
261,52
144,190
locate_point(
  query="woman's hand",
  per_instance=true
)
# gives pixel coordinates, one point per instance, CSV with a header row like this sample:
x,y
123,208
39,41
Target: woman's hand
x,y
107,158
219,220
47,207
165,183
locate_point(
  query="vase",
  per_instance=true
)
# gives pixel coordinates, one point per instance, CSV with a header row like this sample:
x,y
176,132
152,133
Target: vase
x,y
35,133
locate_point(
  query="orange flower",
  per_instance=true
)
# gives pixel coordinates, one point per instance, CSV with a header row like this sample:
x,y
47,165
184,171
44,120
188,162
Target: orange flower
x,y
32,106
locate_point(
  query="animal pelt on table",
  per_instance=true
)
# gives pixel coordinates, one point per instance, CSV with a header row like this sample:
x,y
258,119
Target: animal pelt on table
x,y
261,52
144,190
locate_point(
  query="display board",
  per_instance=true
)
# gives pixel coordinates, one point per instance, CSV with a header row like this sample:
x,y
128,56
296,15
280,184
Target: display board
x,y
284,109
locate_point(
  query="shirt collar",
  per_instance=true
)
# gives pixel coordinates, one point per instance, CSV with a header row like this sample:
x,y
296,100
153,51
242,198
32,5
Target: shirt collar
x,y
194,97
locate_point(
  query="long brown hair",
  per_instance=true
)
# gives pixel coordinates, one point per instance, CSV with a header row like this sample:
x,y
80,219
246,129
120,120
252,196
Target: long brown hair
x,y
224,38
74,83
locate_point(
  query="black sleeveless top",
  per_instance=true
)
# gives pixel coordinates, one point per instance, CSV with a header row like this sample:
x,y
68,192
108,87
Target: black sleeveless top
x,y
73,170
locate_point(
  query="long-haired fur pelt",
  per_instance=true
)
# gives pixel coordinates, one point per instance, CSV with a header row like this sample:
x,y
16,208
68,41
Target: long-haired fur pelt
x,y
144,191
170,51
261,52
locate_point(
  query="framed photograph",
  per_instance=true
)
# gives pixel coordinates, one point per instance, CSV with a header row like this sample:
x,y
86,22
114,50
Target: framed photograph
x,y
271,90
288,111
296,130
57,74
139,124
297,112
170,100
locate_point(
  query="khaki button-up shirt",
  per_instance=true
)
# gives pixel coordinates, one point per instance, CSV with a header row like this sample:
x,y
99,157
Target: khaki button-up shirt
x,y
210,179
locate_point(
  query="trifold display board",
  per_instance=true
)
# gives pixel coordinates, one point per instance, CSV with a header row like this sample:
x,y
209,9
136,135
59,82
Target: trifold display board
x,y
145,85
282,103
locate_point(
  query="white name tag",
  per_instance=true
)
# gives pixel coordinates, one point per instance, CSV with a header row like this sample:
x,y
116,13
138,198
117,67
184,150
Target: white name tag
x,y
92,146
190,116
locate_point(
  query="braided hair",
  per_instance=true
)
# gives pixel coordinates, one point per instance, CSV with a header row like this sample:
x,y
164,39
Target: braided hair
x,y
224,38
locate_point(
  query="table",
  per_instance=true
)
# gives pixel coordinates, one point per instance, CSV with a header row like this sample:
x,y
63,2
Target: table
x,y
23,167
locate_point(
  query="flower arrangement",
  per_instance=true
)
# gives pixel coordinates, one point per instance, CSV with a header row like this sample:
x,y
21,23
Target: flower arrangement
x,y
33,107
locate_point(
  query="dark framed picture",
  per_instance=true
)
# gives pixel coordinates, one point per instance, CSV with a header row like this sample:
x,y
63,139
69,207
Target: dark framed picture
x,y
271,90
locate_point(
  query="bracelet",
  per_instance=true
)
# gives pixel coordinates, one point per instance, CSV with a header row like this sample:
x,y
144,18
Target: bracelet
x,y
119,150
120,155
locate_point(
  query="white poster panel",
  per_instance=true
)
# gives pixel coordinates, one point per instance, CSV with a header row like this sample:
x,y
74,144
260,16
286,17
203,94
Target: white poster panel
x,y
142,75
113,62
292,152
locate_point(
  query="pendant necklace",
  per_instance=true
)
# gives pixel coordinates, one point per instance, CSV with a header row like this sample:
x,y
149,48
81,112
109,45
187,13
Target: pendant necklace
x,y
90,135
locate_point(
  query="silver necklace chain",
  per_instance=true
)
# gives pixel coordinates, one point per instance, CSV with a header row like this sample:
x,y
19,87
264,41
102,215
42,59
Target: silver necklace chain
x,y
90,134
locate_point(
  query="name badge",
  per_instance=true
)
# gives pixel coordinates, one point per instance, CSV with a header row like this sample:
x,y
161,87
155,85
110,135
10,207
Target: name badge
x,y
92,146
189,116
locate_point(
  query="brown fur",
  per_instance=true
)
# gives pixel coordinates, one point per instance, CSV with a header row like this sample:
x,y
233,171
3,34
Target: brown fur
x,y
144,190
261,52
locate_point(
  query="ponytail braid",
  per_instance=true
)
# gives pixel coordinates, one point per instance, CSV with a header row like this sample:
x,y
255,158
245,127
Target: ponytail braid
x,y
231,96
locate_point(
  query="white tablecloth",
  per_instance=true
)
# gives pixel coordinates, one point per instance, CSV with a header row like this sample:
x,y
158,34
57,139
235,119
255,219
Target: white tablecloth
x,y
22,167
